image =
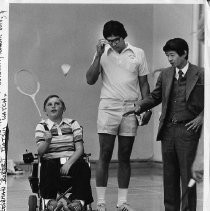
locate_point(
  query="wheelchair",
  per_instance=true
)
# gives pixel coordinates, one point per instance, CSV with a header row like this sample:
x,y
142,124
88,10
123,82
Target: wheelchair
x,y
35,201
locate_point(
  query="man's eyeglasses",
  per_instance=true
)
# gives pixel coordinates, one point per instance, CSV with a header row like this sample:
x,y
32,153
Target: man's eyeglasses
x,y
114,41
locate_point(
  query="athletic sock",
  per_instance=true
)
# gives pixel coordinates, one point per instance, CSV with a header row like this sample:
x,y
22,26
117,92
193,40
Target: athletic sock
x,y
101,191
122,196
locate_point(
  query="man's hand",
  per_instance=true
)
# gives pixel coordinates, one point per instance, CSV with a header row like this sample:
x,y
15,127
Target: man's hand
x,y
48,137
198,175
100,47
198,170
195,124
65,168
136,110
146,117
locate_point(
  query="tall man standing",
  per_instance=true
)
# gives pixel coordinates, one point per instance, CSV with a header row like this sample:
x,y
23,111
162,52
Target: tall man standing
x,y
124,71
180,89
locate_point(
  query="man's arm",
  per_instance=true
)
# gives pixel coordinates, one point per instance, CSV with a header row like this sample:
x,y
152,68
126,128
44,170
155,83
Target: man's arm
x,y
77,154
94,71
95,68
144,86
196,123
198,97
145,90
151,100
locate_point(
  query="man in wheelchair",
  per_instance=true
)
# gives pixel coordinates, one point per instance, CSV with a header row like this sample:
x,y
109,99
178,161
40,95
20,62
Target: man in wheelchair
x,y
60,148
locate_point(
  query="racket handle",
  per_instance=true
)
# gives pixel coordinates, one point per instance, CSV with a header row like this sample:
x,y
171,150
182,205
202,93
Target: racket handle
x,y
191,183
37,107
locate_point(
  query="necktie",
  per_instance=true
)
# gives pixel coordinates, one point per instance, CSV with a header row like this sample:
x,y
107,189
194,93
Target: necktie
x,y
180,76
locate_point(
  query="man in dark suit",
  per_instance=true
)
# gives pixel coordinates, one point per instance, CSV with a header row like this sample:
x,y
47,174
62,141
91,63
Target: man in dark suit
x,y
180,89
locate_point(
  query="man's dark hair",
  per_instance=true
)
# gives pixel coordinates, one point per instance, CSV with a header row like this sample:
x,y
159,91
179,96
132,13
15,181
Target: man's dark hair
x,y
177,44
114,28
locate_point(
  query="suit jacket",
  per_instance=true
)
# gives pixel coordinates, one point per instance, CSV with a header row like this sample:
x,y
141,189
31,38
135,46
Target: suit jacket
x,y
161,93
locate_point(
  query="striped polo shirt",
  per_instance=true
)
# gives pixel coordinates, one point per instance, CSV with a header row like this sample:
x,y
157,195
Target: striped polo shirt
x,y
64,137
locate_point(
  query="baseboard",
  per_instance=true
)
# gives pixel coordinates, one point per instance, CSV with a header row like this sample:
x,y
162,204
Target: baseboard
x,y
135,163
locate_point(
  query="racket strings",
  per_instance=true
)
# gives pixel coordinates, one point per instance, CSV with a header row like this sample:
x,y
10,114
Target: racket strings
x,y
26,82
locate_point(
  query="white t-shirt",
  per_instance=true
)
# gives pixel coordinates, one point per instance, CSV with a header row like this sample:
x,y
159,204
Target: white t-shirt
x,y
120,72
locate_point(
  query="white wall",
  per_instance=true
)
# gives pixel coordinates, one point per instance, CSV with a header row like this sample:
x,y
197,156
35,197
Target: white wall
x,y
43,37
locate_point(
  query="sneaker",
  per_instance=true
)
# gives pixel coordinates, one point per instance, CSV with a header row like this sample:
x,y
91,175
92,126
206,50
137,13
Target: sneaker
x,y
125,207
75,206
101,207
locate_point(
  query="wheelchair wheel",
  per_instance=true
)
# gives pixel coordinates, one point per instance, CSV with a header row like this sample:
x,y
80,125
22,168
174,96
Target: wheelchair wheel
x,y
32,203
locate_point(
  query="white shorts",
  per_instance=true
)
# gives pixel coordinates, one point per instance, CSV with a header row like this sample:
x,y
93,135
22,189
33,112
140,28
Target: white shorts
x,y
111,120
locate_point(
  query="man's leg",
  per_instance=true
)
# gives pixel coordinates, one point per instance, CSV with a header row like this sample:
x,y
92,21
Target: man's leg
x,y
124,169
106,142
171,176
171,171
186,150
49,178
80,178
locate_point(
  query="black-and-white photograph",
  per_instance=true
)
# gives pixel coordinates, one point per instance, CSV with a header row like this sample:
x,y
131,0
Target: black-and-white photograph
x,y
106,106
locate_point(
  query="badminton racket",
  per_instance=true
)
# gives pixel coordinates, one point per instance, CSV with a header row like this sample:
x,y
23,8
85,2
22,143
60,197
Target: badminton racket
x,y
27,84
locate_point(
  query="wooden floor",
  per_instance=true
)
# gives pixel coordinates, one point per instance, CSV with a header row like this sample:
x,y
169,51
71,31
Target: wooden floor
x,y
145,191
